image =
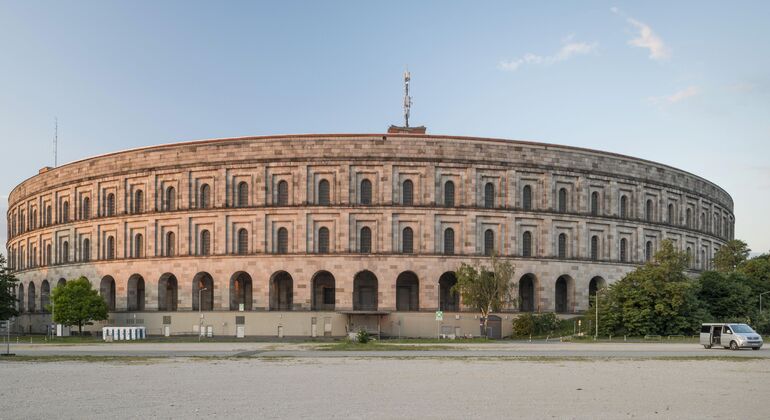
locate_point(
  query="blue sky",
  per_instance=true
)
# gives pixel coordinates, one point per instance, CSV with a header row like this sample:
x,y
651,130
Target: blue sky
x,y
682,83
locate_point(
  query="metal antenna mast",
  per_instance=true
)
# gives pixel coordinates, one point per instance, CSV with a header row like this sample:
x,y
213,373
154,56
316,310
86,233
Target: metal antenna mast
x,y
55,142
407,98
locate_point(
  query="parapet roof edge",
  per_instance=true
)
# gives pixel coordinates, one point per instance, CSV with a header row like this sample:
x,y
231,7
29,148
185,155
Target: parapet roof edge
x,y
351,135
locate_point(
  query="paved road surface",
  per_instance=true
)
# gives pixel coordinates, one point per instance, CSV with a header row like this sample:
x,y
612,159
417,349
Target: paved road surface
x,y
501,349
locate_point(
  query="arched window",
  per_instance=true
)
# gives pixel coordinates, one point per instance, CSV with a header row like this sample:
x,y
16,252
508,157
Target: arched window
x,y
366,192
283,241
283,193
526,199
170,199
562,200
170,244
689,257
648,251
47,216
138,246
623,207
86,250
688,218
85,208
407,193
562,245
205,245
648,211
48,254
595,203
110,247
489,195
243,241
243,195
205,196
489,242
323,240
449,194
407,241
365,240
65,210
323,193
449,241
594,247
138,201
670,213
110,205
702,225
65,252
526,244
623,250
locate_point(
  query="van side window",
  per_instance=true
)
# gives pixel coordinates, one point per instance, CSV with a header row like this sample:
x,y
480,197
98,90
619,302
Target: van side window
x,y
727,330
705,329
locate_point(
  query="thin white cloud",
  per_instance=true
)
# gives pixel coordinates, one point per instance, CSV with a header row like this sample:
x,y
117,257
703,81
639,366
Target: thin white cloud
x,y
568,50
646,38
675,97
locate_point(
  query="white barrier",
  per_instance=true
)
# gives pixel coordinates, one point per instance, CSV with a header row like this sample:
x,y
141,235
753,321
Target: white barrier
x,y
124,333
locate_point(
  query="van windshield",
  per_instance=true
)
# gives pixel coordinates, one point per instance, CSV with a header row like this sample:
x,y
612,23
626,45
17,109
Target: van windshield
x,y
741,328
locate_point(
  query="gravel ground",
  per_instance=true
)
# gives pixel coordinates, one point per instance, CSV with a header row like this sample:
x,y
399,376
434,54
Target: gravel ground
x,y
384,388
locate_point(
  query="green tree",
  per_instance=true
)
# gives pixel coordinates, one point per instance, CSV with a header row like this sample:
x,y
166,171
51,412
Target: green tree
x,y
77,303
8,301
486,289
730,256
656,298
726,296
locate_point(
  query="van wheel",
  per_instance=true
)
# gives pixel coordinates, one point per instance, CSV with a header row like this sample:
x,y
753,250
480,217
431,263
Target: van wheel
x,y
707,346
733,345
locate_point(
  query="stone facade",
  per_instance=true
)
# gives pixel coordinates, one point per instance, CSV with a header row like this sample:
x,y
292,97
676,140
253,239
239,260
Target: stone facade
x,y
255,220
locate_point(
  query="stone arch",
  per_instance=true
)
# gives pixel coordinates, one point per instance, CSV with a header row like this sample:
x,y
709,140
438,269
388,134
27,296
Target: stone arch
x,y
594,203
324,291
31,297
243,242
135,295
365,192
205,196
448,301
407,292
243,194
407,193
45,295
61,283
449,194
281,291
449,241
526,200
365,291
283,193
324,190
564,291
240,291
107,291
489,195
489,242
203,288
20,298
168,292
528,300
596,283
562,204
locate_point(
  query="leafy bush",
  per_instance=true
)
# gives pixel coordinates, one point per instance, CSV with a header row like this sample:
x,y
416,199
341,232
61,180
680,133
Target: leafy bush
x,y
535,324
363,336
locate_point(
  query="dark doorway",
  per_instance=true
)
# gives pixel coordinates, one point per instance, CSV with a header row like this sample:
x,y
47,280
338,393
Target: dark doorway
x,y
448,301
365,291
323,291
407,292
281,292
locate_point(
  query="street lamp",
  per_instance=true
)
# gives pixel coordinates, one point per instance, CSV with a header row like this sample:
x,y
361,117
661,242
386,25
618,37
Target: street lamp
x,y
760,300
596,306
200,310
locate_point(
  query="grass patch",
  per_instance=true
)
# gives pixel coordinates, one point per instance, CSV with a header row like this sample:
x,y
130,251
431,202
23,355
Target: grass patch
x,y
379,346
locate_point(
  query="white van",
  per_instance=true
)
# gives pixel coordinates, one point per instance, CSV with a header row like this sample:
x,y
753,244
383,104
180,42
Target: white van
x,y
733,336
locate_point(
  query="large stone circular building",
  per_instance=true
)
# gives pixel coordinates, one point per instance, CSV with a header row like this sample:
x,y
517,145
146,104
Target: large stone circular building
x,y
305,235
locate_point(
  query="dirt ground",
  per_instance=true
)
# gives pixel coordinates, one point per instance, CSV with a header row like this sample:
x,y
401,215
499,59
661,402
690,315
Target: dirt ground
x,y
385,388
